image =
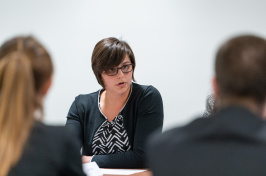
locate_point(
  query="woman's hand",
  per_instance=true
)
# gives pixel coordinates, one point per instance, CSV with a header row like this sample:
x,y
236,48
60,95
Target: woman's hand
x,y
86,159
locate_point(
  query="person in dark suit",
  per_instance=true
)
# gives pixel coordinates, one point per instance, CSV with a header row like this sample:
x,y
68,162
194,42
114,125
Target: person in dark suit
x,y
233,142
27,146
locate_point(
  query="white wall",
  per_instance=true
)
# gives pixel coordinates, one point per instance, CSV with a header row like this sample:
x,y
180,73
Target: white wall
x,y
174,42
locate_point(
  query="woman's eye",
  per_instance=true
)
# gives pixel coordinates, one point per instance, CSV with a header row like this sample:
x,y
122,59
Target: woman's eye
x,y
125,67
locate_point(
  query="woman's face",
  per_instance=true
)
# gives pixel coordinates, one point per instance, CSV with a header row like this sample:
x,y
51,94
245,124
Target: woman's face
x,y
119,83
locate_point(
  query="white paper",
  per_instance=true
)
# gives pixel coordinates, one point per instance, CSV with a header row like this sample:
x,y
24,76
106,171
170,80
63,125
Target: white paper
x,y
92,169
121,171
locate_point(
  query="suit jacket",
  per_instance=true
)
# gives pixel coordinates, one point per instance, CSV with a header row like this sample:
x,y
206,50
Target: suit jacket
x,y
48,152
231,143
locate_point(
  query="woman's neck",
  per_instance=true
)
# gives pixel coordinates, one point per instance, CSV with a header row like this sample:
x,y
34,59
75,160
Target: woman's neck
x,y
111,104
113,99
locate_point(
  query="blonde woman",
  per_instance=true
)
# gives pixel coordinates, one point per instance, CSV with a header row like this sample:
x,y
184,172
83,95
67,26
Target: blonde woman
x,y
27,146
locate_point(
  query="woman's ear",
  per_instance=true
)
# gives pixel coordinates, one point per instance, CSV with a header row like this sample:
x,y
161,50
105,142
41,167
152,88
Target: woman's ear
x,y
46,86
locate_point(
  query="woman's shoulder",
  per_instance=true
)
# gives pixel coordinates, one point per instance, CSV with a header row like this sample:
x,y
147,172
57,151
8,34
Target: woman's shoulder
x,y
48,143
48,131
51,134
146,89
87,98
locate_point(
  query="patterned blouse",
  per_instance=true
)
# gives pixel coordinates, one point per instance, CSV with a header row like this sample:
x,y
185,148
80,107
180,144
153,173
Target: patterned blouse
x,y
111,137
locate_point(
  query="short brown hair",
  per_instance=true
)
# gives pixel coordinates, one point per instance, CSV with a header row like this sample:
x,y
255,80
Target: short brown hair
x,y
109,53
241,68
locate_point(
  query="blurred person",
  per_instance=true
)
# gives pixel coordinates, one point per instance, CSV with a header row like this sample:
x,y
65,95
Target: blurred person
x,y
113,123
233,142
27,146
210,105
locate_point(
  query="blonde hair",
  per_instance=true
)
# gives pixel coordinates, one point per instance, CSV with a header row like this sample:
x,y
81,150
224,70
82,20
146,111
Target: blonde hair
x,y
25,66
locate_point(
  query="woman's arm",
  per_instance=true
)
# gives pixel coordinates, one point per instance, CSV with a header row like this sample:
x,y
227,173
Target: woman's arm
x,y
86,159
149,119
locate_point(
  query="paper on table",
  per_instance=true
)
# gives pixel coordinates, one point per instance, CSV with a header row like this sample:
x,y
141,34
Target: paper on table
x,y
121,171
92,169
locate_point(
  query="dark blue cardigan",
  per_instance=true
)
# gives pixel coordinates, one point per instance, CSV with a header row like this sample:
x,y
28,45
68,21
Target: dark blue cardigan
x,y
142,115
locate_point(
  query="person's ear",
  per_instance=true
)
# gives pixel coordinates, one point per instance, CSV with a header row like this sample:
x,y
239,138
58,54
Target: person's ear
x,y
264,111
215,87
46,86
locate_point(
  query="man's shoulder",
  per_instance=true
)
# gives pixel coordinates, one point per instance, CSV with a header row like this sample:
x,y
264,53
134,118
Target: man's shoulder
x,y
181,133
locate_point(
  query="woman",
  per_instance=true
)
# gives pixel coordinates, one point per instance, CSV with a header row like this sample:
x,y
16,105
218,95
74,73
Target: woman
x,y
113,123
27,146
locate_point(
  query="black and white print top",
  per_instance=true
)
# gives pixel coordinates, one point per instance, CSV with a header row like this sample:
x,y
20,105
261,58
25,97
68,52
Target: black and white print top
x,y
142,115
111,137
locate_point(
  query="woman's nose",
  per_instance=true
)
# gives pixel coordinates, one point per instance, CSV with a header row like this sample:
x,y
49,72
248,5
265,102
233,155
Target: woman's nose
x,y
120,73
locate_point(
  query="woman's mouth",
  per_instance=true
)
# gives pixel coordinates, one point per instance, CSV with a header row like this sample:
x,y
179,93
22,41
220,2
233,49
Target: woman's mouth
x,y
121,83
